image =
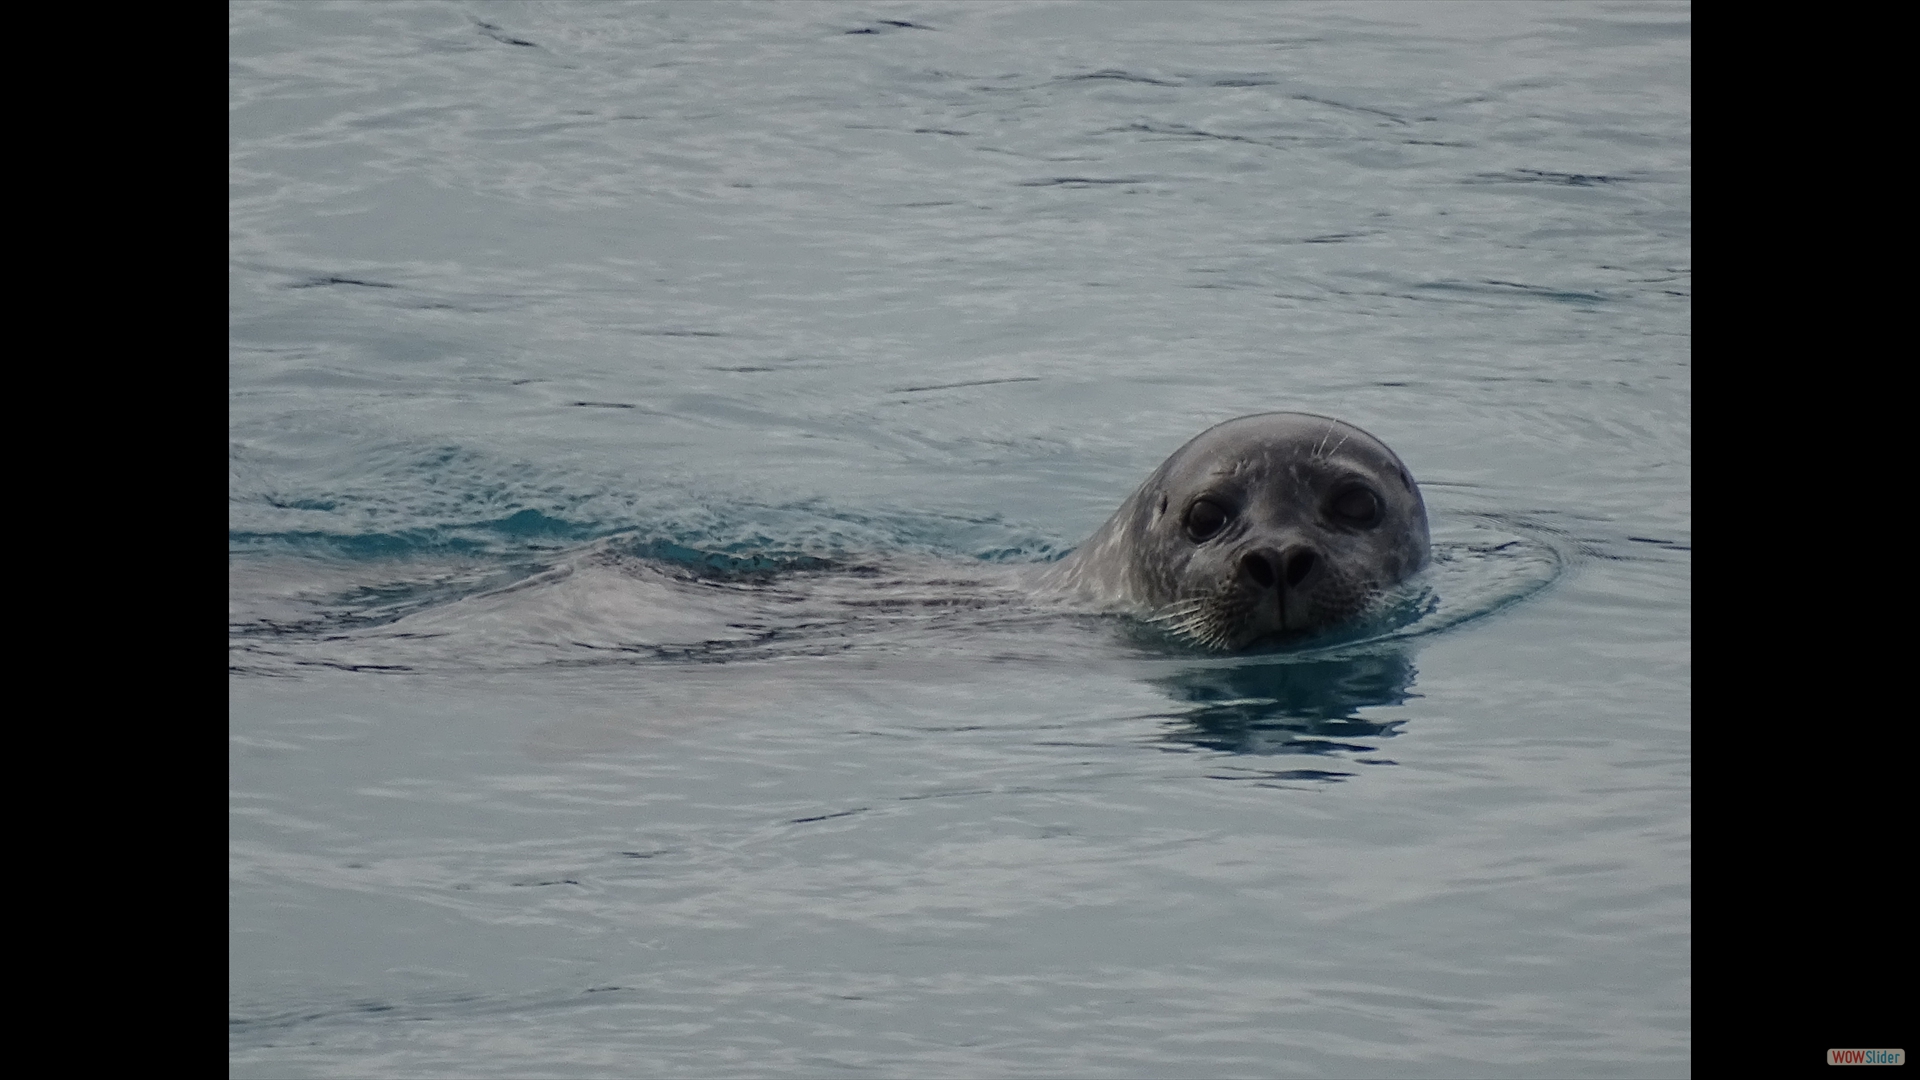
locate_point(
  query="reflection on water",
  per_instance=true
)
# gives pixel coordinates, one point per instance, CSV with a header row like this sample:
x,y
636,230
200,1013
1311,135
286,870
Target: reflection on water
x,y
1296,706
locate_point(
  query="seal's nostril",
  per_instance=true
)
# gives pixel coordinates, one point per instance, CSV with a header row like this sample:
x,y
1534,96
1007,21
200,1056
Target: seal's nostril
x,y
1299,565
1259,569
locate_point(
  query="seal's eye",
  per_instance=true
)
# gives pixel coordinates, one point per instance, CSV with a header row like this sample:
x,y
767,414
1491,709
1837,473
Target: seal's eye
x,y
1205,518
1356,505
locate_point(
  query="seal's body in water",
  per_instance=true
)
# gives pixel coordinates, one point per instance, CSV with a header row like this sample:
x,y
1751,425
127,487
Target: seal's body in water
x,y
1265,526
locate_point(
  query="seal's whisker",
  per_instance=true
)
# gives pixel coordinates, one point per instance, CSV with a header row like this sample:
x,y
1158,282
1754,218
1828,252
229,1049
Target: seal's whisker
x,y
1178,610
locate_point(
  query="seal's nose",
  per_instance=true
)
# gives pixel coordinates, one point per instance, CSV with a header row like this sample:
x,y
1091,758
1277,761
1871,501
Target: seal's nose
x,y
1299,562
1259,566
1265,566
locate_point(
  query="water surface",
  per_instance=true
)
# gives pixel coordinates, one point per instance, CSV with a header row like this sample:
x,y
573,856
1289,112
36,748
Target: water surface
x,y
641,420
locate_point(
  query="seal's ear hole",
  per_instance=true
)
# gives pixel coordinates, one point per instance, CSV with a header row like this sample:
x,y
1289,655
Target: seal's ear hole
x,y
1205,519
1356,505
1163,506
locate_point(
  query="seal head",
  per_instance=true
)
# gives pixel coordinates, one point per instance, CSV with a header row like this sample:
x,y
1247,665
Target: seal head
x,y
1266,526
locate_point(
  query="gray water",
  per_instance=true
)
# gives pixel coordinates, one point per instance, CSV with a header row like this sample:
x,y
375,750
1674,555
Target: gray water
x,y
644,420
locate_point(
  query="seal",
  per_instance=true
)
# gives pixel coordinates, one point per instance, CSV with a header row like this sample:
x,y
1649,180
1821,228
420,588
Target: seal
x,y
1265,526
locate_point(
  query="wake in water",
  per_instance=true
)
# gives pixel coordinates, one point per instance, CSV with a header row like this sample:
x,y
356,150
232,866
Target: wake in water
x,y
625,600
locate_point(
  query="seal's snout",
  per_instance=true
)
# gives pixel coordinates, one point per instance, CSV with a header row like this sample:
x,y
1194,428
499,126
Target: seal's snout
x,y
1265,566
